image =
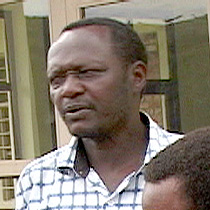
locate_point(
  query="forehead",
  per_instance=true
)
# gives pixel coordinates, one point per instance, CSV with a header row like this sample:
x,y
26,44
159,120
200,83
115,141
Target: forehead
x,y
100,31
82,37
165,195
82,47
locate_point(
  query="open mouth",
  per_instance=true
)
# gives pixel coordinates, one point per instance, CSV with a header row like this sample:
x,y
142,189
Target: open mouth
x,y
74,109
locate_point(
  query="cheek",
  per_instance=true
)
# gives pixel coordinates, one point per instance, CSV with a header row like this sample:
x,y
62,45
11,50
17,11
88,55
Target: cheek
x,y
99,92
109,90
145,202
109,98
150,198
54,95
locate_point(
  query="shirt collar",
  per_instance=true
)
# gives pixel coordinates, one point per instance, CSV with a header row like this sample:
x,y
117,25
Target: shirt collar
x,y
78,161
81,163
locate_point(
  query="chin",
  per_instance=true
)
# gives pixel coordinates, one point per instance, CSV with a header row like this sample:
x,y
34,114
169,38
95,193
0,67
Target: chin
x,y
86,130
81,132
88,135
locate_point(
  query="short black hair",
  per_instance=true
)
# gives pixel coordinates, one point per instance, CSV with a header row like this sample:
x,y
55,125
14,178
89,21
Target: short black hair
x,y
188,159
127,43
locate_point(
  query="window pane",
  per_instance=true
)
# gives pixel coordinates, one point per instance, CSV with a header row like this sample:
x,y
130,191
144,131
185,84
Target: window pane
x,y
4,70
6,130
7,192
6,149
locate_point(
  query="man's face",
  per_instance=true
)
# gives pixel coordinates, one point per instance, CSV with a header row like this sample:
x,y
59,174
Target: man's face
x,y
88,82
165,195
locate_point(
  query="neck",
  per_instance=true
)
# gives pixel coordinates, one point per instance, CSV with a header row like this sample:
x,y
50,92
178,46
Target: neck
x,y
115,157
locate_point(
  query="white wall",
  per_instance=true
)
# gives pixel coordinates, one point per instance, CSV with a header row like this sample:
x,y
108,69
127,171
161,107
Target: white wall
x,y
36,8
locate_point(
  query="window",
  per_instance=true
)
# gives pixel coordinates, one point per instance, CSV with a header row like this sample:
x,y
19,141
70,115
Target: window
x,y
26,113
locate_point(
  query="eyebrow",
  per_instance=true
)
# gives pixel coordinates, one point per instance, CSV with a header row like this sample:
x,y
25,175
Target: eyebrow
x,y
58,69
62,70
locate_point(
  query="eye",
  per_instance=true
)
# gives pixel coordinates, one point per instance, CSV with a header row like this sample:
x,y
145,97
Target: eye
x,y
83,71
90,72
57,81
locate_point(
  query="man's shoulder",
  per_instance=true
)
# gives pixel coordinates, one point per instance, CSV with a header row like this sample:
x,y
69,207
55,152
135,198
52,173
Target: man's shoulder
x,y
48,161
39,175
159,138
158,133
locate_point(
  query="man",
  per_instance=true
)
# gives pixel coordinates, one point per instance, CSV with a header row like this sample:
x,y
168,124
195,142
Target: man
x,y
97,71
178,178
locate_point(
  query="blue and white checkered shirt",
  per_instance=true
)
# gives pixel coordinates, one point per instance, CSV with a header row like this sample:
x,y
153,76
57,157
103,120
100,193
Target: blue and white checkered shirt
x,y
62,180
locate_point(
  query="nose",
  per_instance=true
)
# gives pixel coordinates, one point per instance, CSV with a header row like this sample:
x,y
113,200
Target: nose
x,y
72,87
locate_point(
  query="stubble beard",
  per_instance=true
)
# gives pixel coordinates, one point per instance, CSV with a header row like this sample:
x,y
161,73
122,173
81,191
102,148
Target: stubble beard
x,y
111,128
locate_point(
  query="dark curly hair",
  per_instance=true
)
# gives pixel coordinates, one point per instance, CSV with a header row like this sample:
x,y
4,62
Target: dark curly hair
x,y
188,159
126,42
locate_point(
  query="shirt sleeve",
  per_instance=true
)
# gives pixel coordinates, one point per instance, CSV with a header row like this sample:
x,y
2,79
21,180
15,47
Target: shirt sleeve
x,y
23,188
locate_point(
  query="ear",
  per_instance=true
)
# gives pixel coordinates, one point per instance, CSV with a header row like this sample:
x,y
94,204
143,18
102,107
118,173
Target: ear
x,y
139,76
